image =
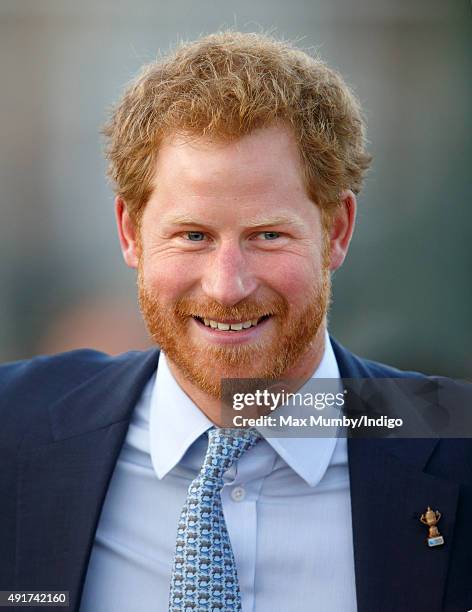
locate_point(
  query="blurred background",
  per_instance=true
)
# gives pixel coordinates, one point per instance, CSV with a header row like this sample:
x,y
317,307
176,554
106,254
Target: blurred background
x,y
404,294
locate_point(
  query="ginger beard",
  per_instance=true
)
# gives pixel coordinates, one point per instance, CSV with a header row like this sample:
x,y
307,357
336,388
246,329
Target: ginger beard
x,y
204,365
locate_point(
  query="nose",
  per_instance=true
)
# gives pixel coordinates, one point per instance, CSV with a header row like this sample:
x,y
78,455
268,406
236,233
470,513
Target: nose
x,y
227,277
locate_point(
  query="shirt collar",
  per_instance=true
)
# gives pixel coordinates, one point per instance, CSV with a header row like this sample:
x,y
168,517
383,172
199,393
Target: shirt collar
x,y
311,456
176,422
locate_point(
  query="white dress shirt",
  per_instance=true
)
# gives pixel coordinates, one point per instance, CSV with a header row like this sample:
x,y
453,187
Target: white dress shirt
x,y
286,505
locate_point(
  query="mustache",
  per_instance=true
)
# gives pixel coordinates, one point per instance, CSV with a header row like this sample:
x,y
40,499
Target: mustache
x,y
245,310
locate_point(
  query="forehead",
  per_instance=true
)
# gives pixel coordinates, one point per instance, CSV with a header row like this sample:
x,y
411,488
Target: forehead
x,y
266,159
253,181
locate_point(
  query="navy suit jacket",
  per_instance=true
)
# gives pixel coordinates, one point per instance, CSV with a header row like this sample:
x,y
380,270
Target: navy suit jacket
x,y
63,420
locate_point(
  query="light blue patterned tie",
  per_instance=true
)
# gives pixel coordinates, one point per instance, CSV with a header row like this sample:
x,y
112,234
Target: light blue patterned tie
x,y
204,576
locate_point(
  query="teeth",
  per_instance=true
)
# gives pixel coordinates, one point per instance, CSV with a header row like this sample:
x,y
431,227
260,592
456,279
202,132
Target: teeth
x,y
232,326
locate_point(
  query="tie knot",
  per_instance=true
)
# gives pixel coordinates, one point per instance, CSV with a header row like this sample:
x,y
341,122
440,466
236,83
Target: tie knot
x,y
225,446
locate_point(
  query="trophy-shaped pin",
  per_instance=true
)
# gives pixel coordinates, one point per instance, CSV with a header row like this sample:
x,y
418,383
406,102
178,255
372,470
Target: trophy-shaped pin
x,y
431,519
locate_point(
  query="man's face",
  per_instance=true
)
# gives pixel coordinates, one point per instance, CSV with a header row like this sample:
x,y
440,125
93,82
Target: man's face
x,y
229,235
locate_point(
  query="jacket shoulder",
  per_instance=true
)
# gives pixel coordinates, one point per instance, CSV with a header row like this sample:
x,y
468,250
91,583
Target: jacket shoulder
x,y
51,371
353,366
28,387
382,370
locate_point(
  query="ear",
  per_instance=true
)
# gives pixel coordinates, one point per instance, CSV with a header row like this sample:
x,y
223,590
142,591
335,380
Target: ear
x,y
126,233
342,228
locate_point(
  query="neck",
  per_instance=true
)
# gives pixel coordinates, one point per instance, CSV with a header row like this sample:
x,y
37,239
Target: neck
x,y
300,372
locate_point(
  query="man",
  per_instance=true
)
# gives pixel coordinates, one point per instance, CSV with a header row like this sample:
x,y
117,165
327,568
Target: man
x,y
236,161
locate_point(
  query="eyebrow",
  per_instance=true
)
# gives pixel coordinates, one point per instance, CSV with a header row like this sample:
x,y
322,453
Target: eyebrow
x,y
181,220
253,223
277,220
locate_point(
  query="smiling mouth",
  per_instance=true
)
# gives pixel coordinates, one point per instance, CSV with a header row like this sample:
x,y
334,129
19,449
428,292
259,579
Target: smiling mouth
x,y
234,326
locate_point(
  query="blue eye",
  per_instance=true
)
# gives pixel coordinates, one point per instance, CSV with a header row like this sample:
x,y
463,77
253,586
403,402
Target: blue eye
x,y
195,236
271,235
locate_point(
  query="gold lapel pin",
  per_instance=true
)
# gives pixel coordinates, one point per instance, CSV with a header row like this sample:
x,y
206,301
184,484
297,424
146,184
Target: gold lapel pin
x,y
431,519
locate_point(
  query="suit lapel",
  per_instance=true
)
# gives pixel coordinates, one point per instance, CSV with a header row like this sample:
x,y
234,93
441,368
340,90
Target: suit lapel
x,y
395,569
62,484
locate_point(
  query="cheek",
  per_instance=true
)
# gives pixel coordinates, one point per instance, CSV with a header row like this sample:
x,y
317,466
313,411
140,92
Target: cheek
x,y
168,278
294,278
